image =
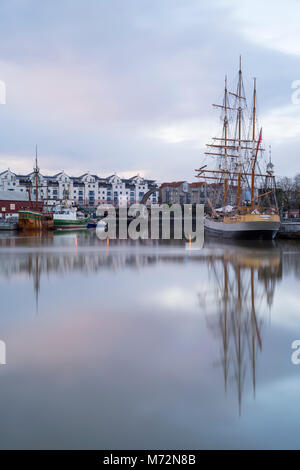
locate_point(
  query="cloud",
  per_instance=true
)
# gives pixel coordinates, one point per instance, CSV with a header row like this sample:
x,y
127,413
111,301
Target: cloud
x,y
282,124
196,131
272,24
109,92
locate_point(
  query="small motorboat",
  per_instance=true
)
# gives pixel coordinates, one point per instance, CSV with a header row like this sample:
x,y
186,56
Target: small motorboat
x,y
92,224
10,223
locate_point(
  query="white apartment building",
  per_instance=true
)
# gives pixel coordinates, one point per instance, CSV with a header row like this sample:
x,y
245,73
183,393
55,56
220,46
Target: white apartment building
x,y
85,190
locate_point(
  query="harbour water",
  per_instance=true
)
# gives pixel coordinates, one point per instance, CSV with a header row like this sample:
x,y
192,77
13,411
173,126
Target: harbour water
x,y
148,344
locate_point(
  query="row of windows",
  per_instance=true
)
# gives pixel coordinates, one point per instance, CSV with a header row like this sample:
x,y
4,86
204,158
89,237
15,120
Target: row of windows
x,y
80,192
11,206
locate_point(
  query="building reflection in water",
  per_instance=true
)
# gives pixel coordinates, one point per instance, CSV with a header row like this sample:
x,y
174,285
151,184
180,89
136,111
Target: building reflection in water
x,y
68,252
244,283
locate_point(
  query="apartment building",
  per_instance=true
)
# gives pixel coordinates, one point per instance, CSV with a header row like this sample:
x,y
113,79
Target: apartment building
x,y
87,190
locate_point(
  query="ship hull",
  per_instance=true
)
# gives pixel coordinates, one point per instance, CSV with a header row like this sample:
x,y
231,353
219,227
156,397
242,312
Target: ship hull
x,y
34,221
8,226
252,230
67,224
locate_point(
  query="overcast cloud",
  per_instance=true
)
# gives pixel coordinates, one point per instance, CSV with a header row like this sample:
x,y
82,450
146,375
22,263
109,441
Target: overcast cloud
x,y
127,85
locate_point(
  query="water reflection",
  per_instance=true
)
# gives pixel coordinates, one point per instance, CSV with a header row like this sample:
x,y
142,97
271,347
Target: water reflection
x,y
194,332
244,281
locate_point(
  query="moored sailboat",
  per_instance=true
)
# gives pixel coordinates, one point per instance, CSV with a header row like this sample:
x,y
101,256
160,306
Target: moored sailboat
x,y
243,200
35,219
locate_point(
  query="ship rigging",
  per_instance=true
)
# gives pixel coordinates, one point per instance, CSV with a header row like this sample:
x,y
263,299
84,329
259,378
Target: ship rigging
x,y
244,196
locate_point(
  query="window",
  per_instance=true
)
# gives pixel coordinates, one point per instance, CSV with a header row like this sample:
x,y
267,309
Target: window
x,y
12,207
3,209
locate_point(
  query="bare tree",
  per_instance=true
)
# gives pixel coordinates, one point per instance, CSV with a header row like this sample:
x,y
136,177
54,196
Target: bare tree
x,y
287,193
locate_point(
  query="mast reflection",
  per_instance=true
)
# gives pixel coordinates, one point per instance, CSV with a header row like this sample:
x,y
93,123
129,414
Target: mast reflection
x,y
244,283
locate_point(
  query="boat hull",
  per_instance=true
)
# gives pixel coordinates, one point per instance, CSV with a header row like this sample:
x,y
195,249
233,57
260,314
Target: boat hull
x,y
248,230
34,221
65,224
8,226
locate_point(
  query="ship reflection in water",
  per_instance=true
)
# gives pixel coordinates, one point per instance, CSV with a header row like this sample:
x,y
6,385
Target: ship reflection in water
x,y
148,345
243,280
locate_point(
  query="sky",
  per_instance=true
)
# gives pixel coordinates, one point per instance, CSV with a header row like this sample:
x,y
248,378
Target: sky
x,y
126,86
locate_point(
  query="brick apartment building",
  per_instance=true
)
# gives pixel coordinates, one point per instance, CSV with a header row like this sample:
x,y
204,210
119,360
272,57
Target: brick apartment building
x,y
11,202
182,192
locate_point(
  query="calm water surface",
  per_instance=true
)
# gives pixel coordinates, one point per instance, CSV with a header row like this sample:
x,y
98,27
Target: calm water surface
x,y
148,345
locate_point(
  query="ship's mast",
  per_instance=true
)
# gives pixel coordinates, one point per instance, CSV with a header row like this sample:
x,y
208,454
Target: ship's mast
x,y
239,135
254,158
254,111
233,151
225,141
36,175
253,139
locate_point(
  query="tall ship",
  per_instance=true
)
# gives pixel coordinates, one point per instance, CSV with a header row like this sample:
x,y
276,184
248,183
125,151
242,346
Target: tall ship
x,y
240,190
37,218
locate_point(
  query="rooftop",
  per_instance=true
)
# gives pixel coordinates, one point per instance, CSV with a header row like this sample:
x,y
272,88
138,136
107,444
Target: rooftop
x,y
13,195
